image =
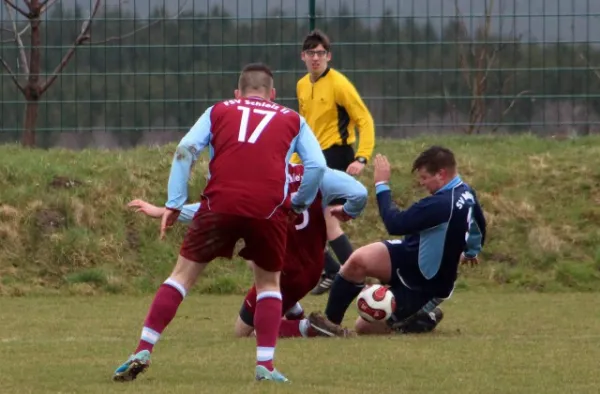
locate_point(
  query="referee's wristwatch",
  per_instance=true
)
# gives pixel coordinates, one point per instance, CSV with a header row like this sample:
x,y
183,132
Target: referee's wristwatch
x,y
361,160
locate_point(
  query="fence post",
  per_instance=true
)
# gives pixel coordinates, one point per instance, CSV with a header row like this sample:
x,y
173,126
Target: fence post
x,y
311,13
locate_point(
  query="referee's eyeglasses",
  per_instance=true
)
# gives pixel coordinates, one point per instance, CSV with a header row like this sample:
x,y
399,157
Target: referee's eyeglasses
x,y
311,53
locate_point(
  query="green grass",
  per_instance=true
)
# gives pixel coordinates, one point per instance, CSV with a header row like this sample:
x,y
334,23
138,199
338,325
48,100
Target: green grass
x,y
487,343
65,228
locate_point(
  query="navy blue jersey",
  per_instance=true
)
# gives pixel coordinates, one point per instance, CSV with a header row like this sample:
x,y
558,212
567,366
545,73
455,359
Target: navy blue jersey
x,y
436,230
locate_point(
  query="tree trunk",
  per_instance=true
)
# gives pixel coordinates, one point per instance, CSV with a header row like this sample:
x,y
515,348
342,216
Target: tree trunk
x,y
31,114
32,89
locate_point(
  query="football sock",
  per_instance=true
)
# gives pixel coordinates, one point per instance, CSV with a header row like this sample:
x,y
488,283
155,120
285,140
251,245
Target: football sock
x,y
295,313
296,328
341,294
342,248
267,320
331,265
162,311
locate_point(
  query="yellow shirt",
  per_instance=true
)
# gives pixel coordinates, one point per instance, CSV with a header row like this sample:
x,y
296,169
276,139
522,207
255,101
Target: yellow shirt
x,y
333,109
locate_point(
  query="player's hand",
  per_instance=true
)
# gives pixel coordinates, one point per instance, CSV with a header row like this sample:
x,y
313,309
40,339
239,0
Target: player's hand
x,y
383,169
339,213
355,168
169,218
146,208
470,261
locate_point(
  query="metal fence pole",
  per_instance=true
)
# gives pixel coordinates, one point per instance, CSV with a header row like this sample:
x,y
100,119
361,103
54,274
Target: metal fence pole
x,y
311,12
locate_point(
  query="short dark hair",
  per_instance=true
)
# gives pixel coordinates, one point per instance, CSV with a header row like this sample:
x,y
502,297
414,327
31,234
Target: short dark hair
x,y
255,76
434,159
314,38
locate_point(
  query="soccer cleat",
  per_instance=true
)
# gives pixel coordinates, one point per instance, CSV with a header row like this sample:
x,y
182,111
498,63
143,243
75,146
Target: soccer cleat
x,y
321,326
423,322
263,373
135,365
323,286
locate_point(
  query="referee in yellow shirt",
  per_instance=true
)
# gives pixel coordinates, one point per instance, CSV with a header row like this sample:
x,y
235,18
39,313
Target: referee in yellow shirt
x,y
334,110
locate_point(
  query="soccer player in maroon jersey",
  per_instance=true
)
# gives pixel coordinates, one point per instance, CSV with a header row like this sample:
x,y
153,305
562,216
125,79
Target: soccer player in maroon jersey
x,y
304,256
304,253
249,202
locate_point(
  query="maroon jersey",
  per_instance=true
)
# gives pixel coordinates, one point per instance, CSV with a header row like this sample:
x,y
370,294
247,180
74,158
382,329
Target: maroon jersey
x,y
250,145
304,255
309,240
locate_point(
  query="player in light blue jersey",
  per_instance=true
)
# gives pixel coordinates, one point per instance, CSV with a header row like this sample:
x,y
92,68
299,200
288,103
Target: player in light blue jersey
x,y
439,231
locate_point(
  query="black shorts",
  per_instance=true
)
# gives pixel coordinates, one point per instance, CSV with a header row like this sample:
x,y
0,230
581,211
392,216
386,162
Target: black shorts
x,y
408,301
339,157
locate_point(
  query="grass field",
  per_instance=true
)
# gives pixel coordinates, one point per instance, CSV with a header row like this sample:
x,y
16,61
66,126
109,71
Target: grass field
x,y
488,343
65,227
77,273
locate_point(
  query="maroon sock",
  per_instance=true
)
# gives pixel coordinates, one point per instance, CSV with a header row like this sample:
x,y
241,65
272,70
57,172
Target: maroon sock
x,y
267,319
162,311
290,329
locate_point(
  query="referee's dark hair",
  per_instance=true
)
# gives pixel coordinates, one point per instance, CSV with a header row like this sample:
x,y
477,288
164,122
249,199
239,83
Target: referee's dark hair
x,y
314,38
435,159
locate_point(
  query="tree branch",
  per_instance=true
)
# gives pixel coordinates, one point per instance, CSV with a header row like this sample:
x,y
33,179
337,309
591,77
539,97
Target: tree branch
x,y
18,9
10,31
81,38
133,32
12,75
17,39
46,4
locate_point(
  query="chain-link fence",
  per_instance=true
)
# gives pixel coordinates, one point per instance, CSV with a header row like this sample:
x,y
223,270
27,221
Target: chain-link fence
x,y
144,70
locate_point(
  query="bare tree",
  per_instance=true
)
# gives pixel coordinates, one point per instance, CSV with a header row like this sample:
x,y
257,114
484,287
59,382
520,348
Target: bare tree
x,y
475,61
32,86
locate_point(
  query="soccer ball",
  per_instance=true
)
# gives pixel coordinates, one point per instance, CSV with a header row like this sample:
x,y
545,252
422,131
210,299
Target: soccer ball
x,y
376,303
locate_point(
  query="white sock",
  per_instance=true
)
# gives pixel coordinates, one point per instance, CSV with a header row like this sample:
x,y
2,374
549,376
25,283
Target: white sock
x,y
304,324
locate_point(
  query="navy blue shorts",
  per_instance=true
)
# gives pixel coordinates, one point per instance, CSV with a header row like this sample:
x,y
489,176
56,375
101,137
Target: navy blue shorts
x,y
408,301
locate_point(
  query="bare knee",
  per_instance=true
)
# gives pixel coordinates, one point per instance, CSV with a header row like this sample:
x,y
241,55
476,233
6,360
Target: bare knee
x,y
363,327
368,261
186,272
265,280
355,268
241,329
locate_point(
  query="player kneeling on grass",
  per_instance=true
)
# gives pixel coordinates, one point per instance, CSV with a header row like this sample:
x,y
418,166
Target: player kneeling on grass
x,y
440,231
304,253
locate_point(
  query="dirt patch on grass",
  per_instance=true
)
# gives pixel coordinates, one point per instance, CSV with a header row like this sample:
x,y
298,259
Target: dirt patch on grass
x,y
63,182
133,238
49,220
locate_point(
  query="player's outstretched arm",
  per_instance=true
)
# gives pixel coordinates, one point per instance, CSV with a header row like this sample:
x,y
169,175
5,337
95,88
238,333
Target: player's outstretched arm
x,y
187,212
339,185
423,215
186,155
420,216
309,150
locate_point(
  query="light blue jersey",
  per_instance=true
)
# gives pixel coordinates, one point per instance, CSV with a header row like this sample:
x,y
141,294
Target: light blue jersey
x,y
334,185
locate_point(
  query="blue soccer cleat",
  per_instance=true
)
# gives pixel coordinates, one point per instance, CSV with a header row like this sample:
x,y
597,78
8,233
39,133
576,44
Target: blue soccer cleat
x,y
135,365
263,373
